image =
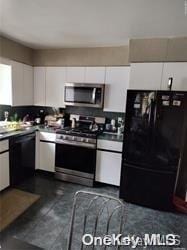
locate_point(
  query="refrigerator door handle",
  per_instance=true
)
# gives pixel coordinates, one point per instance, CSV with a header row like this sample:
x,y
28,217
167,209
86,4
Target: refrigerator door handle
x,y
151,112
170,83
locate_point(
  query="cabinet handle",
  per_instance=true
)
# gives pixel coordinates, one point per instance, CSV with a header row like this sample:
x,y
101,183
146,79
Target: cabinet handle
x,y
170,82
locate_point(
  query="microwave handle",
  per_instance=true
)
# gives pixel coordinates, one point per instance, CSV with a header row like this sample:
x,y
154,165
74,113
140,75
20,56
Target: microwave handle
x,y
93,95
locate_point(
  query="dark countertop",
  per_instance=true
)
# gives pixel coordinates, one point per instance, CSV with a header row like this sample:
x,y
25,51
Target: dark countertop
x,y
46,129
29,130
110,137
104,136
7,135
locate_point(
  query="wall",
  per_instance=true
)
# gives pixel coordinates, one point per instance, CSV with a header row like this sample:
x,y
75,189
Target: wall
x,y
15,51
158,50
139,50
101,56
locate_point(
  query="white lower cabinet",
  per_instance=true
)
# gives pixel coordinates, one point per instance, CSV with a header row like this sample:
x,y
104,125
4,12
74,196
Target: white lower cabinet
x,y
108,167
108,163
4,171
4,166
47,156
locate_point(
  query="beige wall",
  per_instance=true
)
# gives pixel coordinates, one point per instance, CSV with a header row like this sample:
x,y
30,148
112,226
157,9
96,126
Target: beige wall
x,y
101,56
177,50
158,50
146,50
15,51
139,50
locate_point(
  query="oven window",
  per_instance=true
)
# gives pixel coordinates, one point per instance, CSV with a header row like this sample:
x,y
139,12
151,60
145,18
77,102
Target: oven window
x,y
79,94
75,158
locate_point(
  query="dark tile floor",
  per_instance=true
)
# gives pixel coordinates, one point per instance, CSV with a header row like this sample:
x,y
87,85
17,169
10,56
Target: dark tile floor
x,y
46,223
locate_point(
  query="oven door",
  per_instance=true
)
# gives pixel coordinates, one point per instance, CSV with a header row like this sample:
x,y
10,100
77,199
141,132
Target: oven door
x,y
75,159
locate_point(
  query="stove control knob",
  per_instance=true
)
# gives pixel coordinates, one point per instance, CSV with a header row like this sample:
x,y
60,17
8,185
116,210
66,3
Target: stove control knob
x,y
82,139
64,137
73,138
87,140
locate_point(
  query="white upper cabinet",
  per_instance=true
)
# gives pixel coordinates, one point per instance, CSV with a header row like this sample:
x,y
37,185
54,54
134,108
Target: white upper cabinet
x,y
146,76
5,84
178,71
28,85
95,74
76,74
55,80
39,86
17,83
117,83
22,84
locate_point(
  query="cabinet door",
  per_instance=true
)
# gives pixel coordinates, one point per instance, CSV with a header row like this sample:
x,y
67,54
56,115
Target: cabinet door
x,y
5,84
4,171
39,86
47,156
17,83
55,80
116,85
178,71
95,74
146,76
28,85
108,167
75,74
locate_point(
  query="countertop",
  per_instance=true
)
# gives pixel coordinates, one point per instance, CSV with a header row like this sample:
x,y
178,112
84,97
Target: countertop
x,y
103,136
28,130
7,135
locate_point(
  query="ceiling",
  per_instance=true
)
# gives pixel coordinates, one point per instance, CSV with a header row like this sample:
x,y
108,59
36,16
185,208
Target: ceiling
x,y
90,23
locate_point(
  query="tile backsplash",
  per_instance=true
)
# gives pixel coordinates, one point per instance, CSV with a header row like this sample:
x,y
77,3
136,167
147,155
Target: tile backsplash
x,y
21,111
94,112
33,111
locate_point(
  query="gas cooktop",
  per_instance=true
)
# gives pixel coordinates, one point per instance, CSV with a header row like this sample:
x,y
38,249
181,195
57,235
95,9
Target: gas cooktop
x,y
83,132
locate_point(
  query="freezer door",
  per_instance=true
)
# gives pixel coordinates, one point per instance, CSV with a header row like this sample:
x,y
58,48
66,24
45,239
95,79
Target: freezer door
x,y
146,187
139,122
168,130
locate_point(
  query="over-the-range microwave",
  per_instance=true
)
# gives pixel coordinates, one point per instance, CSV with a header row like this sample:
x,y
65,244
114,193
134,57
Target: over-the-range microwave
x,y
84,94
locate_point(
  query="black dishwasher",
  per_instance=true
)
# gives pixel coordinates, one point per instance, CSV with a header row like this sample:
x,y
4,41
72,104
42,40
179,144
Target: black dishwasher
x,y
22,158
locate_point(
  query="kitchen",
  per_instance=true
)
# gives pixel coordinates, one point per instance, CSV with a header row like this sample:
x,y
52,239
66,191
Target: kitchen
x,y
66,125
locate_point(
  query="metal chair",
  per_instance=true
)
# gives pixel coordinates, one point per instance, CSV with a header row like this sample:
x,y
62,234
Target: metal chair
x,y
96,214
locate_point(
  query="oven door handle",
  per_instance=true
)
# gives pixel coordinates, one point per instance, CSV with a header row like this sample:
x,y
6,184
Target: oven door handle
x,y
75,143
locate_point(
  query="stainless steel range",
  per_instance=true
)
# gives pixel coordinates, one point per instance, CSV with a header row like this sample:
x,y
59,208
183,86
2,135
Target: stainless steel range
x,y
75,158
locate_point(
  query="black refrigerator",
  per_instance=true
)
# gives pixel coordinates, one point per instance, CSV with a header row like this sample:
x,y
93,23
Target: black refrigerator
x,y
154,138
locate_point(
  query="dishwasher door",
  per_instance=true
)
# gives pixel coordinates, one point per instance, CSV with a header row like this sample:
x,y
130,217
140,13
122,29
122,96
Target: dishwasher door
x,y
22,158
